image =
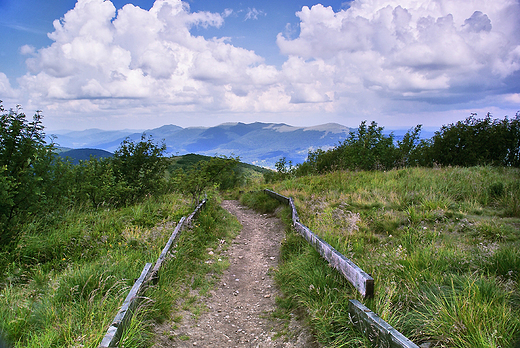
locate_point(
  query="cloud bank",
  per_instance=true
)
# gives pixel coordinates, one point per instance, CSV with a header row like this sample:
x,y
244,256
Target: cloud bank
x,y
376,57
423,52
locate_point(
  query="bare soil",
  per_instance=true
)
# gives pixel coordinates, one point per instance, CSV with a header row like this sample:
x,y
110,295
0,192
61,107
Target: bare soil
x,y
238,312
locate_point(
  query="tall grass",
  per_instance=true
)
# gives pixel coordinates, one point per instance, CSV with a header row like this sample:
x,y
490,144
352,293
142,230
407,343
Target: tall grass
x,y
68,276
68,279
441,244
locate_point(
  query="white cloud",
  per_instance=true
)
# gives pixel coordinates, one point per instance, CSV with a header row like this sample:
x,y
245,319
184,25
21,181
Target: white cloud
x,y
99,53
413,50
375,57
6,91
513,98
27,50
253,13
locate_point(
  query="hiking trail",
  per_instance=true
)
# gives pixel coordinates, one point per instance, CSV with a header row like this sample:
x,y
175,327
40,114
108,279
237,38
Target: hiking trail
x,y
238,310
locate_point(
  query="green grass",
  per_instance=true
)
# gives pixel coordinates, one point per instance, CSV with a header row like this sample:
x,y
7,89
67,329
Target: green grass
x,y
260,202
196,264
69,274
442,245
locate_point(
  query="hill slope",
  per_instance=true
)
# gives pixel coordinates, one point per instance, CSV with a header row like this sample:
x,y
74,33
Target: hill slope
x,y
76,155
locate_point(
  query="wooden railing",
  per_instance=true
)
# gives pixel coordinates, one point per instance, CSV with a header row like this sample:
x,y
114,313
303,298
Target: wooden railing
x,y
148,275
379,332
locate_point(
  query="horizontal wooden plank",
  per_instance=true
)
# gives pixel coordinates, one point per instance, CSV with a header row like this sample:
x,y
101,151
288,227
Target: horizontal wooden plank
x,y
378,331
362,281
124,315
195,212
167,248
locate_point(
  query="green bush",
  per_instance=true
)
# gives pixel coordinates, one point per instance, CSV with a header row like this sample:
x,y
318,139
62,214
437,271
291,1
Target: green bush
x,y
221,172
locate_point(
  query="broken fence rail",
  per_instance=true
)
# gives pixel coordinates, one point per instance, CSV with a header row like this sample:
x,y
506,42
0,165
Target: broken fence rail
x,y
379,332
123,317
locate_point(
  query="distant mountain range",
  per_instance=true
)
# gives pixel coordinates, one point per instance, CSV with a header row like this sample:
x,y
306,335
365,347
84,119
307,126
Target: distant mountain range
x,y
261,144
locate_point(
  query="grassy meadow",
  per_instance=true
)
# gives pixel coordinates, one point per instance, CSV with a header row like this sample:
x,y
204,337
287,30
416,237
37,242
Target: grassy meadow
x,y
443,246
69,274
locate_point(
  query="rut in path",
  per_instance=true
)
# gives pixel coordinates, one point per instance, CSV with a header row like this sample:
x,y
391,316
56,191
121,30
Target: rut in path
x,y
238,309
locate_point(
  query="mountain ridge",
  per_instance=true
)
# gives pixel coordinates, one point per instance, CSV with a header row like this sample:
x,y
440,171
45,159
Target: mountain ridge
x,y
256,143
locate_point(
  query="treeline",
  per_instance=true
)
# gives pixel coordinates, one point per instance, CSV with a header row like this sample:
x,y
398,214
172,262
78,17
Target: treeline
x,y
474,141
35,181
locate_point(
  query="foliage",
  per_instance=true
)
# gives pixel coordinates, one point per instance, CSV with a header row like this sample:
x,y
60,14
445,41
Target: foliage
x,y
477,141
367,148
25,168
409,150
284,170
140,167
470,142
221,172
96,183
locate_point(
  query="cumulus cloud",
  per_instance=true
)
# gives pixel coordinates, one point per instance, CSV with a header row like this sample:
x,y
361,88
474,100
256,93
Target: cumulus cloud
x,y
6,91
133,53
410,50
27,50
372,57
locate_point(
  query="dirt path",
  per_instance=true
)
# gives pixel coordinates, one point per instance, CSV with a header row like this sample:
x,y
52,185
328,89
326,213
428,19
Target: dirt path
x,y
238,309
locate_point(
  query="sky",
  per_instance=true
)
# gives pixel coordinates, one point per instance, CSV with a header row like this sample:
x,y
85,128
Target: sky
x,y
141,64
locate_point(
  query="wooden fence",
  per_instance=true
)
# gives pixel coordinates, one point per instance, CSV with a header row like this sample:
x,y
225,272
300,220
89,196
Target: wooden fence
x,y
148,275
380,333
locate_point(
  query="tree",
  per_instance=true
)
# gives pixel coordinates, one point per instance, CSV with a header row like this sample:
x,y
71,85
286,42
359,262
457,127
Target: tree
x,y
408,148
95,182
140,167
218,171
25,162
368,148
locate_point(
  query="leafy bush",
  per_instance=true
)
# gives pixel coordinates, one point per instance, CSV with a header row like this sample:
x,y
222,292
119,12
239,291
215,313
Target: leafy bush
x,y
367,148
470,142
221,172
477,141
139,167
25,168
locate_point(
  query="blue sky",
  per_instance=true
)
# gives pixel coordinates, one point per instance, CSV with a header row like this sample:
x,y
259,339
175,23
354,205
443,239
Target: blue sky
x,y
142,64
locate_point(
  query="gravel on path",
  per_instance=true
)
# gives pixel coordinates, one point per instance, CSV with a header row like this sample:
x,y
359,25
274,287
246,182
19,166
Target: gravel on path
x,y
238,311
